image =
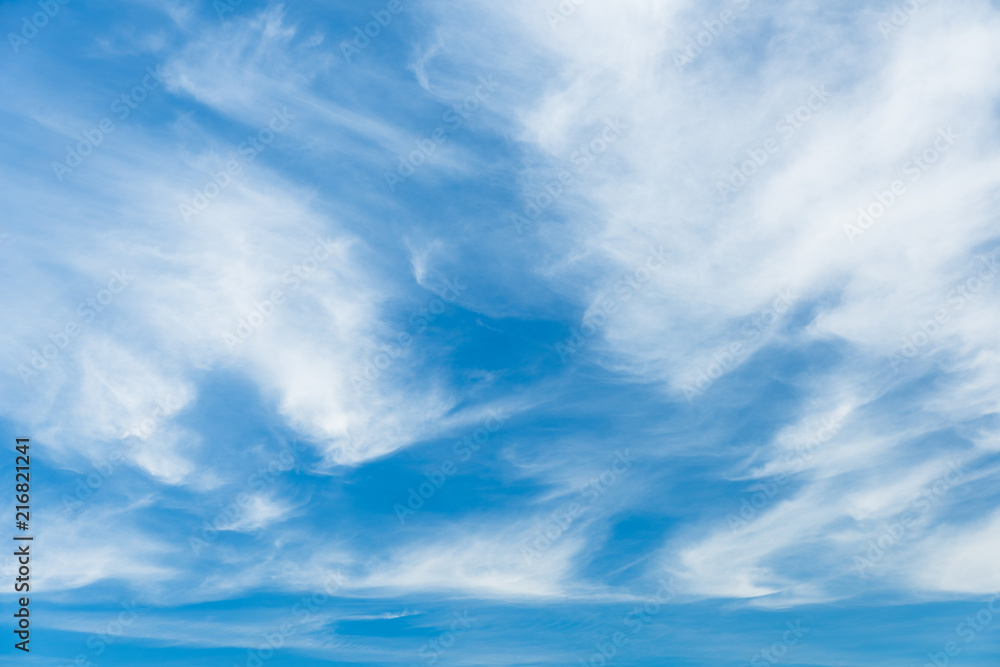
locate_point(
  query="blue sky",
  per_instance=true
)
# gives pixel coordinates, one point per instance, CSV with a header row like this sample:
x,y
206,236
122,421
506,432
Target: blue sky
x,y
524,333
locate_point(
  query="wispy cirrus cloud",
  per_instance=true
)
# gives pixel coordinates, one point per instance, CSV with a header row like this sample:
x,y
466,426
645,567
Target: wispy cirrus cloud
x,y
797,364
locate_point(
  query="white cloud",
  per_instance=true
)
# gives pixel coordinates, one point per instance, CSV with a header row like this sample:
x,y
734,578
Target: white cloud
x,y
935,83
960,559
